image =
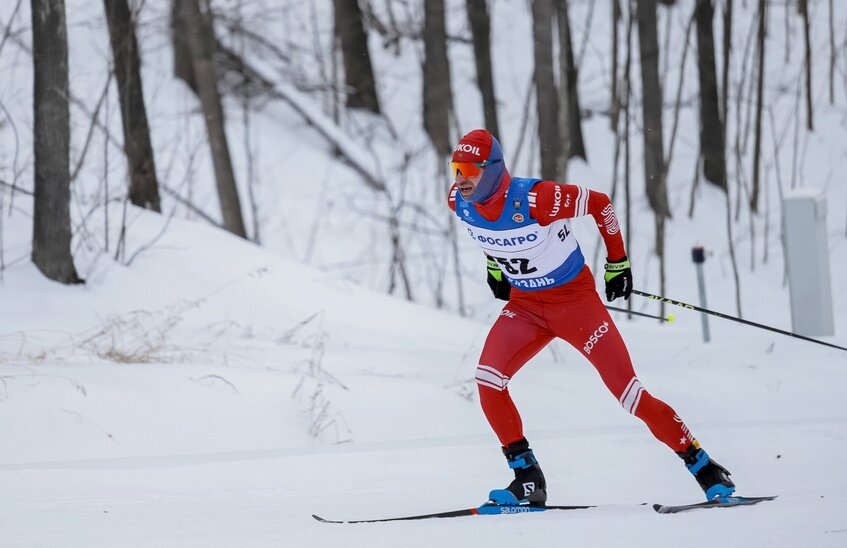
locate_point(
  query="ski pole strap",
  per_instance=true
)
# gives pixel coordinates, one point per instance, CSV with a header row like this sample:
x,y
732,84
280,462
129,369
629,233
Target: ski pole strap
x,y
494,269
733,318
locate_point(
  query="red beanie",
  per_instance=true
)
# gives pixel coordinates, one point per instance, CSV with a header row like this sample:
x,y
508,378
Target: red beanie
x,y
473,147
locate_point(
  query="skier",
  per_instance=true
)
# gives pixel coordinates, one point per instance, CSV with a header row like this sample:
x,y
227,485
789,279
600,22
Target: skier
x,y
535,263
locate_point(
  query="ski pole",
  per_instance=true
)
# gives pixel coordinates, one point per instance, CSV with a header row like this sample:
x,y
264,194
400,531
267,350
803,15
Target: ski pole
x,y
669,318
733,318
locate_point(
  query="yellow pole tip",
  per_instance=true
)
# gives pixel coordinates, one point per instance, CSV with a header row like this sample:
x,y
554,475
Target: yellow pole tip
x,y
671,318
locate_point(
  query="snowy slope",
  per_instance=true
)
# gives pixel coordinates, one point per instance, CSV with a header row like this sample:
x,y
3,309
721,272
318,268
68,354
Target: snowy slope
x,y
206,442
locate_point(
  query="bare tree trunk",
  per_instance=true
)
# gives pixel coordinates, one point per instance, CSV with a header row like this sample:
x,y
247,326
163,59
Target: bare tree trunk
x,y
614,108
727,53
831,54
651,107
654,171
627,155
183,64
481,32
201,43
525,123
743,99
676,109
694,184
143,186
665,47
453,237
547,108
398,257
757,143
564,89
247,108
358,73
804,13
570,119
733,259
437,91
586,34
711,125
51,235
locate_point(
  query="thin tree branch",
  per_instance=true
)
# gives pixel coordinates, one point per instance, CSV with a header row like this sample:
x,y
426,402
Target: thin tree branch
x,y
94,122
8,30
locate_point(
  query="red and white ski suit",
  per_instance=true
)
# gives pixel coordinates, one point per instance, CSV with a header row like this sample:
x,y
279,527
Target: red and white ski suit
x,y
573,312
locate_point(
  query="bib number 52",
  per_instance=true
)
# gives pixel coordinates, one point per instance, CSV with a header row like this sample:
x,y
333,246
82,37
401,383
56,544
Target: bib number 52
x,y
515,266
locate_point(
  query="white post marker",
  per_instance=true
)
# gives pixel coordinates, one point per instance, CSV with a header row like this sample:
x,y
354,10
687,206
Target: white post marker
x,y
807,258
699,257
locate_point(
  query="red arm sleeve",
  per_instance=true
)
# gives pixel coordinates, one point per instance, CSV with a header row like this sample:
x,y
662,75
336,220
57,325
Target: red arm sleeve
x,y
550,201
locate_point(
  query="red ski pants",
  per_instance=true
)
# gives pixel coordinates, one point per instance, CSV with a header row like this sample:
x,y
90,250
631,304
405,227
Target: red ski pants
x,y
572,312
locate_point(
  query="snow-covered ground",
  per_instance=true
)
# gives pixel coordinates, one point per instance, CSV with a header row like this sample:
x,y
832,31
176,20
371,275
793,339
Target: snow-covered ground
x,y
171,403
205,391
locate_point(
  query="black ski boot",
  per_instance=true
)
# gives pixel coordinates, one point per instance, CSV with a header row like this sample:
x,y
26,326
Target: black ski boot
x,y
529,486
712,477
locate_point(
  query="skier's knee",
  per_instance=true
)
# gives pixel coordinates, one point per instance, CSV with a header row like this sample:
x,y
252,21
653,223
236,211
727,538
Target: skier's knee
x,y
491,378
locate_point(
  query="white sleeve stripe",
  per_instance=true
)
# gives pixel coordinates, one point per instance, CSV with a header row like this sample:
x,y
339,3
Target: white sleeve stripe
x,y
582,202
637,400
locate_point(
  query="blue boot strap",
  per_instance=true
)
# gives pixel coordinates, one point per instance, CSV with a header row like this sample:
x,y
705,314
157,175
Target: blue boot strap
x,y
702,460
524,460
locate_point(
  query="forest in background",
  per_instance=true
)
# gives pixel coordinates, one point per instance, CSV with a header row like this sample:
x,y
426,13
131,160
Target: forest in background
x,y
265,118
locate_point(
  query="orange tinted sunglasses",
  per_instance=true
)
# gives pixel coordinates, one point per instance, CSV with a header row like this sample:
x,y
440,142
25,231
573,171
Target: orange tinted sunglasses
x,y
469,169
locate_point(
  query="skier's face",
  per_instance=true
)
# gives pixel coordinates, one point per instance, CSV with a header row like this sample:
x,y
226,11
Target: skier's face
x,y
466,185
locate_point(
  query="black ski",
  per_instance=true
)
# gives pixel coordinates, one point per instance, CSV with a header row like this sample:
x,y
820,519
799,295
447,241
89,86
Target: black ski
x,y
722,502
496,509
485,509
